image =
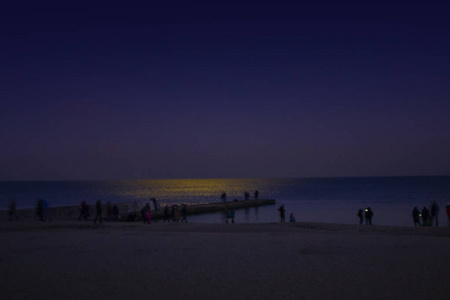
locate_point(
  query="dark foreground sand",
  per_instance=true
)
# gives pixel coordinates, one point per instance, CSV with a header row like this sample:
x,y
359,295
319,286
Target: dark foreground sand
x,y
78,260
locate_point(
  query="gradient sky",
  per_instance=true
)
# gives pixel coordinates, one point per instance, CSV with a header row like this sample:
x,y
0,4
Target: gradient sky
x,y
234,89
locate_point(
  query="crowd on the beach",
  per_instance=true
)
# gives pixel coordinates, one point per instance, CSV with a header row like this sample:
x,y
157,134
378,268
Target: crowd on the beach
x,y
428,216
176,214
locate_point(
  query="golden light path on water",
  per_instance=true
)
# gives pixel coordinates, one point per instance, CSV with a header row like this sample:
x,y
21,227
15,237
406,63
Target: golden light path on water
x,y
189,191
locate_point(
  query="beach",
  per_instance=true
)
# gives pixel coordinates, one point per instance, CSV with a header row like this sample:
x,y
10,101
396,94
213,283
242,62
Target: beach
x,y
120,260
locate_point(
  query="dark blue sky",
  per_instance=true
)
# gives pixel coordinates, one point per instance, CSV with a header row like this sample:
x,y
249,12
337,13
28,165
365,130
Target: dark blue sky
x,y
206,90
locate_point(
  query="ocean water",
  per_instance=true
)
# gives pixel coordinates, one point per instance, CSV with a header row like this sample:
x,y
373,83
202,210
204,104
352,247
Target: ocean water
x,y
330,200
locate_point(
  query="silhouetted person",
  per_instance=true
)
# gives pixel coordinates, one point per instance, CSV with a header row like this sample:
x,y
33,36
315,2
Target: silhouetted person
x,y
47,213
434,213
232,215
12,213
176,214
109,211
361,216
116,213
425,216
144,213
448,213
368,216
223,197
155,204
292,218
166,214
98,211
183,213
40,209
282,213
256,194
246,196
84,211
416,216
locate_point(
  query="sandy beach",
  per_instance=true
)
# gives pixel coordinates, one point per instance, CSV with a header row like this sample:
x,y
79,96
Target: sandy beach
x,y
80,260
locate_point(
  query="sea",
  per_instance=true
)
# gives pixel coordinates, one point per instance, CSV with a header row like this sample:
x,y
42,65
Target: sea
x,y
328,200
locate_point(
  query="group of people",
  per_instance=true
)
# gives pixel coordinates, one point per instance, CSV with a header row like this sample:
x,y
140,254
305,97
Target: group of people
x,y
366,214
282,211
429,216
223,196
174,214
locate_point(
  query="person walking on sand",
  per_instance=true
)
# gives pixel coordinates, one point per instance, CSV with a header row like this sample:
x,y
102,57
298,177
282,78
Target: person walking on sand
x,y
368,215
434,213
361,216
416,216
282,211
98,211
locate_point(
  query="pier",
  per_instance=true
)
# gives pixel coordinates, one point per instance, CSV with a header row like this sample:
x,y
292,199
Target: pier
x,y
72,212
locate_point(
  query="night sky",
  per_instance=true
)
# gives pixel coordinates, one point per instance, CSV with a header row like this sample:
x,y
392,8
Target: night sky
x,y
218,90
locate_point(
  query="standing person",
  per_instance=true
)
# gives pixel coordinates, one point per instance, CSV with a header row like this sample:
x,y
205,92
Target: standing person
x,y
416,216
292,218
282,213
116,213
176,214
47,213
12,210
166,214
155,204
98,210
84,211
144,213
40,209
223,197
246,196
448,213
425,216
368,215
232,215
361,216
256,195
434,213
184,213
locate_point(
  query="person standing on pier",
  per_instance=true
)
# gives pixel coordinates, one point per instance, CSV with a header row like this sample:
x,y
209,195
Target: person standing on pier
x,y
246,196
256,195
223,197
